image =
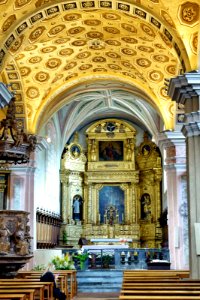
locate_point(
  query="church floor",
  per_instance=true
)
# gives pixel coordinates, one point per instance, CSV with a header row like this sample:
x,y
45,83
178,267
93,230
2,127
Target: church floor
x,y
97,296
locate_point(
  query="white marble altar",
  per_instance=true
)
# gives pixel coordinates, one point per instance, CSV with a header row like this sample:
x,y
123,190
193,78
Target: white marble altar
x,y
104,247
104,240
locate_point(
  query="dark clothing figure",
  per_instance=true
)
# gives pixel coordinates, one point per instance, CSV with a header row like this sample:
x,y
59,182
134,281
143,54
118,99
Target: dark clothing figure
x,y
49,277
82,241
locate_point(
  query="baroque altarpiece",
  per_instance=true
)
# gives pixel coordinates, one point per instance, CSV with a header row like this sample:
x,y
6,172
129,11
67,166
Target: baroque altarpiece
x,y
112,189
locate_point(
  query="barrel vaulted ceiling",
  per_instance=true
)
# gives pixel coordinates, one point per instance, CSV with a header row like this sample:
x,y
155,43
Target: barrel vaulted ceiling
x,y
53,51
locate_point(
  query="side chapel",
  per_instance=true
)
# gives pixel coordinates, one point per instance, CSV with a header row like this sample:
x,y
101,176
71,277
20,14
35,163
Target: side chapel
x,y
112,190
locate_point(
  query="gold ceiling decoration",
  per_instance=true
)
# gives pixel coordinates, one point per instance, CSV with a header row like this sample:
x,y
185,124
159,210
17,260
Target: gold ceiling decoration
x,y
46,46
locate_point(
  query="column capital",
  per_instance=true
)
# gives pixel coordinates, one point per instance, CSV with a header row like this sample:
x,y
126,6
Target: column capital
x,y
191,129
170,138
184,87
173,142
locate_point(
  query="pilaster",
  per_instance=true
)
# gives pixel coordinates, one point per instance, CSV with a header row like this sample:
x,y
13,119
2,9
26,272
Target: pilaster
x,y
173,148
185,90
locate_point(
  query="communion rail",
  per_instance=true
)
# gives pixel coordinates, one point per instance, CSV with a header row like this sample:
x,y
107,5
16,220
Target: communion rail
x,y
129,258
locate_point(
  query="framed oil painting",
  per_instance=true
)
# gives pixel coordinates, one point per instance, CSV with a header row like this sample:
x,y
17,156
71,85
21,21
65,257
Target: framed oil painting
x,y
111,151
111,205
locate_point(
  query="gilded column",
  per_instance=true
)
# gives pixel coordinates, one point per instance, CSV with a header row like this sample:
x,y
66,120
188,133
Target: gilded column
x,y
65,213
85,204
133,200
89,207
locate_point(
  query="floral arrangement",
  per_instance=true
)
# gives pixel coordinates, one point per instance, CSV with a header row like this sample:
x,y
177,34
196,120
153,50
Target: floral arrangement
x,y
63,263
81,257
107,259
123,241
39,268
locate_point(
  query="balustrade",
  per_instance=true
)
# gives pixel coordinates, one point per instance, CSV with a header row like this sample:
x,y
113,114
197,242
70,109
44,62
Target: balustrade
x,y
124,258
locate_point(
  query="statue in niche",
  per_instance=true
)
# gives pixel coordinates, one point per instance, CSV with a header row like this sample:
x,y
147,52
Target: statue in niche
x,y
146,207
77,208
111,216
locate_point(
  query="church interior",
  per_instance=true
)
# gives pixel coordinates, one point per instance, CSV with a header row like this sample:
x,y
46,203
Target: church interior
x,y
106,95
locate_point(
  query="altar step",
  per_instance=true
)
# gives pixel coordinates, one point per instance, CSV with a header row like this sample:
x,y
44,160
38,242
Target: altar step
x,y
99,281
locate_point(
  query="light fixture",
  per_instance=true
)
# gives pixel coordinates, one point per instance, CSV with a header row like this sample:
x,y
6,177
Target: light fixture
x,y
15,145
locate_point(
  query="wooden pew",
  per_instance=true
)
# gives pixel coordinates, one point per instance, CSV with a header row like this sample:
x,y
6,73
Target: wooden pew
x,y
39,287
48,286
158,297
13,296
165,292
28,292
160,289
69,280
157,273
162,283
160,286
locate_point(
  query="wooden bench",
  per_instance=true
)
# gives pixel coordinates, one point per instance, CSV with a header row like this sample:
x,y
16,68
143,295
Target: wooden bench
x,y
39,287
150,274
13,296
158,297
48,286
69,280
157,273
165,292
127,286
28,292
162,283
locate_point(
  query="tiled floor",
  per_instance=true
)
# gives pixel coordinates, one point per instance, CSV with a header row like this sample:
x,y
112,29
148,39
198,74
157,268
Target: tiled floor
x,y
97,296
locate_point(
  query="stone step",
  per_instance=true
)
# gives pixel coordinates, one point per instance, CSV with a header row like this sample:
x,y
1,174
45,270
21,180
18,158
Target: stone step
x,y
102,281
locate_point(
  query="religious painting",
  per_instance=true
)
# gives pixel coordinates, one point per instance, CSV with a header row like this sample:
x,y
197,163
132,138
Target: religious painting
x,y
111,150
75,151
111,205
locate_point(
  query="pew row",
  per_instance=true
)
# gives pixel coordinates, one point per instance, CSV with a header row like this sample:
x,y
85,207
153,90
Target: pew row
x,y
30,293
66,280
39,287
13,296
156,274
158,297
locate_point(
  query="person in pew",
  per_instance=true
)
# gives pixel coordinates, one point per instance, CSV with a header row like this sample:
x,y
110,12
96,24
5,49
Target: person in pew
x,y
48,276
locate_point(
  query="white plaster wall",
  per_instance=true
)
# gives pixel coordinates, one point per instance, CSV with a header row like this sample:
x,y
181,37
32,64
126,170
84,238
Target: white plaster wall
x,y
44,256
47,189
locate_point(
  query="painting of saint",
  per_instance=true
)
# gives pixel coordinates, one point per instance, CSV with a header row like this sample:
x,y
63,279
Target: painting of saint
x,y
110,150
111,200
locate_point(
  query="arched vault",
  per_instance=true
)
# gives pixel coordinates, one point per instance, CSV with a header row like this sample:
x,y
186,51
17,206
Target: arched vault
x,y
51,50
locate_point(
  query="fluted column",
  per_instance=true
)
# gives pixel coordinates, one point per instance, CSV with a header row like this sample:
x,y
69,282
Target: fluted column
x,y
185,90
172,145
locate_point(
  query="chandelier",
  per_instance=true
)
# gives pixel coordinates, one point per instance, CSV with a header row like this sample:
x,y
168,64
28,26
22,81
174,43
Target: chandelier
x,y
15,145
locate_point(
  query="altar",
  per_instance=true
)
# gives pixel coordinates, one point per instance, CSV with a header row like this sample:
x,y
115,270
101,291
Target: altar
x,y
104,247
111,241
